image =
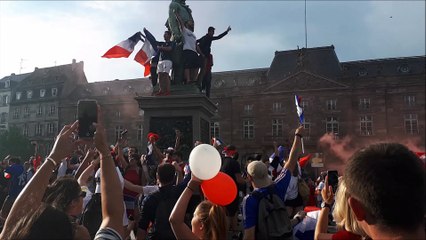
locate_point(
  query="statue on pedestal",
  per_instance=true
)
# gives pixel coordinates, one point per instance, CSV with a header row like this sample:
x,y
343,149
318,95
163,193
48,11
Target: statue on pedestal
x,y
172,24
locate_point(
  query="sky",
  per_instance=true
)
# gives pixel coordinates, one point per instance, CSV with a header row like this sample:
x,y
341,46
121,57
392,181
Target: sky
x,y
48,33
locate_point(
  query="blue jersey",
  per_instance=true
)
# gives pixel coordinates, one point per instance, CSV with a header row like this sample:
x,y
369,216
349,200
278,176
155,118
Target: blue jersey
x,y
251,204
17,181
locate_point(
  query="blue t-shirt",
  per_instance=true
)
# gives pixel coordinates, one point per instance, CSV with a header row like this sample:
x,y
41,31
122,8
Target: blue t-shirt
x,y
251,204
17,181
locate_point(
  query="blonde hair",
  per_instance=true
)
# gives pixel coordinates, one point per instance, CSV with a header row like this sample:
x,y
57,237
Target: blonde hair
x,y
214,219
343,214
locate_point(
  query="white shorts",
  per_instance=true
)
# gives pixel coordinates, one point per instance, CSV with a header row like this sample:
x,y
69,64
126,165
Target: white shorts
x,y
164,66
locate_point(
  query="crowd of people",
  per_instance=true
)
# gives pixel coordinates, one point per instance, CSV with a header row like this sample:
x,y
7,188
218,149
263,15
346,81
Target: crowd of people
x,y
87,189
197,58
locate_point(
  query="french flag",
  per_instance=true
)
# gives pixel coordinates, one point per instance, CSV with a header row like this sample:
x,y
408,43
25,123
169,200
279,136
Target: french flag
x,y
124,48
299,109
148,51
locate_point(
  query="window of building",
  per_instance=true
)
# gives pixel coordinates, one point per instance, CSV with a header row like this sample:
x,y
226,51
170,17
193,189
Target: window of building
x,y
54,92
307,126
248,108
411,124
6,99
332,125
215,129
140,132
277,107
42,93
410,100
3,118
29,94
118,114
118,130
364,103
49,146
366,125
38,129
25,130
18,95
331,104
277,127
52,110
304,104
7,84
39,111
51,128
16,113
26,111
248,129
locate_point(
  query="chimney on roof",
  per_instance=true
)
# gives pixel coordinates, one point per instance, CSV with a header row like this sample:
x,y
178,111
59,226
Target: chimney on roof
x,y
13,74
35,69
73,65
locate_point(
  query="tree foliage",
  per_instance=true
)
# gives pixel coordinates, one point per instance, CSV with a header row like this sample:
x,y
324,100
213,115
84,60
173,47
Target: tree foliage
x,y
14,143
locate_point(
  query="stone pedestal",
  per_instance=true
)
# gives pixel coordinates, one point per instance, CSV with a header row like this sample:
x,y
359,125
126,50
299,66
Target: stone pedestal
x,y
189,113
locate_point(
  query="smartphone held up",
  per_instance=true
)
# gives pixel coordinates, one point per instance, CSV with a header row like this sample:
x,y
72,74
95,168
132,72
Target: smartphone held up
x,y
87,110
333,179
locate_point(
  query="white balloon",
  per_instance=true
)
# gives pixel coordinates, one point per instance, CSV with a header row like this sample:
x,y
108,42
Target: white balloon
x,y
205,161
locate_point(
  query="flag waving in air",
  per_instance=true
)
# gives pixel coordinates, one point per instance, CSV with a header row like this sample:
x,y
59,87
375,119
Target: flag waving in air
x,y
148,51
299,109
124,48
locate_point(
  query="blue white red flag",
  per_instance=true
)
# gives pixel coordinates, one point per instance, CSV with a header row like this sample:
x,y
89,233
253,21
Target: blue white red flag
x,y
124,48
299,109
148,51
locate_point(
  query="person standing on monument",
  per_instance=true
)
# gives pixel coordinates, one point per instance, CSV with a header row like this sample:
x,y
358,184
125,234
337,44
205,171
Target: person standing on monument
x,y
205,44
190,50
165,64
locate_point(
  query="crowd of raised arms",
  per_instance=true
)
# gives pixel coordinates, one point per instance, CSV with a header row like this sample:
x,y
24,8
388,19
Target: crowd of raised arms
x,y
87,189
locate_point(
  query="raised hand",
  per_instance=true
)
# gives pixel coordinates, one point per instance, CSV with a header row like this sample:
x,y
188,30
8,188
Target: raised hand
x,y
65,143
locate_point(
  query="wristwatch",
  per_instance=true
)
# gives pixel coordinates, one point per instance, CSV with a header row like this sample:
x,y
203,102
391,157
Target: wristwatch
x,y
324,205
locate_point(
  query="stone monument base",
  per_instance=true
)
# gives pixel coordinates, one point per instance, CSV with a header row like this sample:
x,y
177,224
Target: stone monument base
x,y
184,110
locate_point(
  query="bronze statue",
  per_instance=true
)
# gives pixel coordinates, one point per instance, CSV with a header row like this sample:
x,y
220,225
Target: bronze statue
x,y
172,25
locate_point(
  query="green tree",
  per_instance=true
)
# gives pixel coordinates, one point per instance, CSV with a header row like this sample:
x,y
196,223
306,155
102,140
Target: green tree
x,y
14,143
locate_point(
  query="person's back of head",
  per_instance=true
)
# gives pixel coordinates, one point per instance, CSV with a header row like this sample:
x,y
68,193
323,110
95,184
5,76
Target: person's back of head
x,y
384,178
166,173
343,214
61,193
213,218
15,160
46,222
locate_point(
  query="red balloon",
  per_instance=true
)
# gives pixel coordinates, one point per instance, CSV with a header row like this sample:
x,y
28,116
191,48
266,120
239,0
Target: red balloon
x,y
220,190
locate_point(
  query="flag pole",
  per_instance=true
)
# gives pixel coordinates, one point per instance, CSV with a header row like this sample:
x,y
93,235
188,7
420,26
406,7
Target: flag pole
x,y
303,145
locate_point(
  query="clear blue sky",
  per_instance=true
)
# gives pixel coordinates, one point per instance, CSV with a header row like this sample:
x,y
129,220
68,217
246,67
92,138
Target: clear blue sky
x,y
43,34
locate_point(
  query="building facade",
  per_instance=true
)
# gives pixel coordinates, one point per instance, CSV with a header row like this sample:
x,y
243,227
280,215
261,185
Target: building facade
x,y
35,102
6,85
359,102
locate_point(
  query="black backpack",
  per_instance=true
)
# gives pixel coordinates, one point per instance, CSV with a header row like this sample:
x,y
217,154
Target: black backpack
x,y
273,221
161,228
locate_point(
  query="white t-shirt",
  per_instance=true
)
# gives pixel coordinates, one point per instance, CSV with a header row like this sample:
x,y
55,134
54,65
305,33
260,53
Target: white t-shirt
x,y
189,40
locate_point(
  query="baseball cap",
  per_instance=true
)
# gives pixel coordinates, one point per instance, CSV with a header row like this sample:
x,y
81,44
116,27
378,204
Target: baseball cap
x,y
259,172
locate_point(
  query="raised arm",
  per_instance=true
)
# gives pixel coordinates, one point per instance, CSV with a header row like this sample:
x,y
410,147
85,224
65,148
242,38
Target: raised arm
x,y
111,192
84,176
222,34
90,154
322,221
180,229
30,197
294,152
